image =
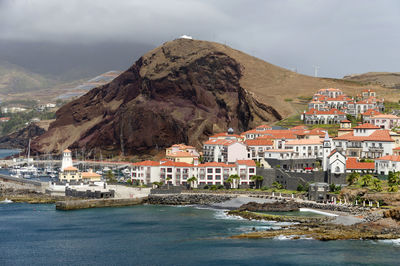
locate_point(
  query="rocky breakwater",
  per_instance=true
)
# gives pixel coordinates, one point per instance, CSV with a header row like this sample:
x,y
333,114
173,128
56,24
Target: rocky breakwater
x,y
97,203
187,199
279,206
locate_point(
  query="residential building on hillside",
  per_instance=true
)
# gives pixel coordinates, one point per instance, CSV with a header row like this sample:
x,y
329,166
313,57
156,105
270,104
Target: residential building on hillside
x,y
368,114
257,147
224,151
386,164
182,153
385,121
314,117
354,165
365,141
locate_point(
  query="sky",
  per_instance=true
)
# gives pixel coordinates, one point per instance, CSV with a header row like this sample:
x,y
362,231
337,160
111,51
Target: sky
x,y
340,37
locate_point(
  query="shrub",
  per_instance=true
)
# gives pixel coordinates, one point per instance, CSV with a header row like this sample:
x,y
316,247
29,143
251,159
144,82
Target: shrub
x,y
300,187
213,187
206,187
220,187
264,188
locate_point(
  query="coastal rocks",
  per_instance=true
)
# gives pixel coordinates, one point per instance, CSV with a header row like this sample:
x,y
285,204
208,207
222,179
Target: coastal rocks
x,y
393,213
280,206
187,199
278,218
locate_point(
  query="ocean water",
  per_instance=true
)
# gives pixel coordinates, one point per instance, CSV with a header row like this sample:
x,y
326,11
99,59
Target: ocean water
x,y
7,152
163,235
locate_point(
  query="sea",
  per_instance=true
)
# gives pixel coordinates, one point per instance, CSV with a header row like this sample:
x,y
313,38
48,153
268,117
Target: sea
x,y
38,234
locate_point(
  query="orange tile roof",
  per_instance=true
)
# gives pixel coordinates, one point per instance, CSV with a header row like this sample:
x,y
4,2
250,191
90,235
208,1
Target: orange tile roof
x,y
70,168
395,158
259,142
300,127
330,112
181,154
66,150
246,162
370,112
214,164
224,135
378,135
367,126
353,163
90,174
176,164
345,121
304,142
397,149
224,142
147,163
387,116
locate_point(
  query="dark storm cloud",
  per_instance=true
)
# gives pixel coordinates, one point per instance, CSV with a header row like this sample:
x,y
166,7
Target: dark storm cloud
x,y
341,37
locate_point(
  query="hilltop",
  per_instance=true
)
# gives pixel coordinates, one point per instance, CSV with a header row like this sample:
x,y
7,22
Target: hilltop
x,y
385,79
182,91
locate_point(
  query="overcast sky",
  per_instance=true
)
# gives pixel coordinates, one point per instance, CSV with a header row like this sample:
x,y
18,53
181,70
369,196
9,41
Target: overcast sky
x,y
341,37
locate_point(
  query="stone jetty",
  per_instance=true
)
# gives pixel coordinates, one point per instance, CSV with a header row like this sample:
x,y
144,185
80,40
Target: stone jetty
x,y
97,203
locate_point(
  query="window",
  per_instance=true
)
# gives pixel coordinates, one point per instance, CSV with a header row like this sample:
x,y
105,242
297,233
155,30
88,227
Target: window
x,y
209,177
218,170
217,177
209,170
251,170
169,170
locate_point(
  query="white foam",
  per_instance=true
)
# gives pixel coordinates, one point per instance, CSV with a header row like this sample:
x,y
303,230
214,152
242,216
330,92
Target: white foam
x,y
395,242
318,212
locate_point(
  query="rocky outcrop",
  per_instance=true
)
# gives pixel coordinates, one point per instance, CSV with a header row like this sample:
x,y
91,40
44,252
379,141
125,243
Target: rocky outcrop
x,y
20,138
392,213
187,199
279,206
179,93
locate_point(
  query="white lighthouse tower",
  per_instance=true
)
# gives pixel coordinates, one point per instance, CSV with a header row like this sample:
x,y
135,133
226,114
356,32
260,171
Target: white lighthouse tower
x,y
66,160
326,150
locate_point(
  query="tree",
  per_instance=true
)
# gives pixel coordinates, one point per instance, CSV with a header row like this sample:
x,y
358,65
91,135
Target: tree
x,y
366,180
110,176
192,181
232,180
168,179
352,178
277,185
258,179
376,184
158,184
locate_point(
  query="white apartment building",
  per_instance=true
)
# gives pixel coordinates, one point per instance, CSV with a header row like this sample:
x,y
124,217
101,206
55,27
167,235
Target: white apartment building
x,y
177,173
224,151
386,164
365,141
257,147
385,121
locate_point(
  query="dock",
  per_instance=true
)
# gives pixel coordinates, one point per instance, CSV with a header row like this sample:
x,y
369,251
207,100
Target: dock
x,y
97,203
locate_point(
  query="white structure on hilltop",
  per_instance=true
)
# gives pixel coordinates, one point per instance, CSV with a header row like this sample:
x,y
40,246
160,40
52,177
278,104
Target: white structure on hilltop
x,y
66,160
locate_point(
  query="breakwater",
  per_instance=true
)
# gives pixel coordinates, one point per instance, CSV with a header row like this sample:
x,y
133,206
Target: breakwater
x,y
187,199
97,203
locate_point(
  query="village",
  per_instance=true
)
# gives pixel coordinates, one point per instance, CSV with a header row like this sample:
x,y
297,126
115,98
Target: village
x,y
301,158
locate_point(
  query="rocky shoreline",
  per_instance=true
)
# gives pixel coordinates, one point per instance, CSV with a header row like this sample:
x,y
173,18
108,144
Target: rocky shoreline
x,y
187,199
385,227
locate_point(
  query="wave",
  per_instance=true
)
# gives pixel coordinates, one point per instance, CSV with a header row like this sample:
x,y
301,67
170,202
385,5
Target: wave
x,y
395,242
292,237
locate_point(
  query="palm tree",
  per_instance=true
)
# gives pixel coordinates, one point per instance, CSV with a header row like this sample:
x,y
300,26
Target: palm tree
x,y
192,181
366,180
258,179
168,179
352,178
232,179
377,184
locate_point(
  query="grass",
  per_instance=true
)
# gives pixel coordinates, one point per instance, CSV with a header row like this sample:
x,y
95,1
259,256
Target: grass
x,y
390,106
291,121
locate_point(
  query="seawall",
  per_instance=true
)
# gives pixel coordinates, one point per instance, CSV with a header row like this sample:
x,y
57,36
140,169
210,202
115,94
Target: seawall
x,y
187,199
97,203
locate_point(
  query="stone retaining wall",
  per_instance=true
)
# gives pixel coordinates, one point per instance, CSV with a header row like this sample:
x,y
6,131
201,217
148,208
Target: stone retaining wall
x,y
186,199
9,183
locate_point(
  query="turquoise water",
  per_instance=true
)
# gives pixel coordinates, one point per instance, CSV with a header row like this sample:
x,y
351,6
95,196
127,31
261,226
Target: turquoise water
x,y
296,213
162,235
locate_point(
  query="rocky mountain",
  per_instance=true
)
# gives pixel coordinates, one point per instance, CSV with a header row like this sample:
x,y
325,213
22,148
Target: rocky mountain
x,y
20,138
385,79
182,91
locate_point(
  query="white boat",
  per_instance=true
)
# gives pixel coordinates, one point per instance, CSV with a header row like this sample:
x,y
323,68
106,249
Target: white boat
x,y
6,201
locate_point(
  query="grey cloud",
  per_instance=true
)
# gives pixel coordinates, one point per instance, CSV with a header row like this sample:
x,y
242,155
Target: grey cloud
x,y
341,37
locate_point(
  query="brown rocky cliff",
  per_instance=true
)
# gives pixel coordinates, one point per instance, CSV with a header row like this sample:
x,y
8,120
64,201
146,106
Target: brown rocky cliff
x,y
174,94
